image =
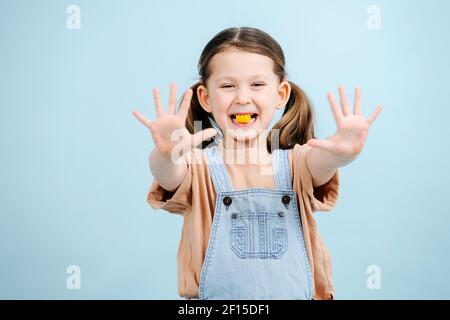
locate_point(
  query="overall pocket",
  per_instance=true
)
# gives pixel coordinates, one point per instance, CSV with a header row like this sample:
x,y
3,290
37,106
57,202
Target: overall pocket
x,y
258,235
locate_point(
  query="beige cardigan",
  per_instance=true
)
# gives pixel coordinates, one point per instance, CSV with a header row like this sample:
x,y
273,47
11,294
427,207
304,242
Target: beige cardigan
x,y
195,198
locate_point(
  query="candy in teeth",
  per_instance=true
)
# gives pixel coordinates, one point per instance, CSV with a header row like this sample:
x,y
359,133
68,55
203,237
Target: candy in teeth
x,y
243,118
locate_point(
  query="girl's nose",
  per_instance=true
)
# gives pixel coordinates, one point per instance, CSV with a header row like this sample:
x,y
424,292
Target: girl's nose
x,y
243,97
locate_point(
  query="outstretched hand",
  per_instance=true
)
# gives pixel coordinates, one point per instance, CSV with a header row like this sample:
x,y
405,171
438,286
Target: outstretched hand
x,y
169,130
352,128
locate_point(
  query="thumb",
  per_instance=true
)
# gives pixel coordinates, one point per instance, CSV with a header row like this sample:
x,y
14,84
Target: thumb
x,y
206,134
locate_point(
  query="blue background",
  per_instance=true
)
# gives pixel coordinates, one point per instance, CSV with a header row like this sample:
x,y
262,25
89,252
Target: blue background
x,y
74,161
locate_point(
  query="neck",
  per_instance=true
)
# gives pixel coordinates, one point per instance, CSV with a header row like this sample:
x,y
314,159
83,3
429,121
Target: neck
x,y
250,151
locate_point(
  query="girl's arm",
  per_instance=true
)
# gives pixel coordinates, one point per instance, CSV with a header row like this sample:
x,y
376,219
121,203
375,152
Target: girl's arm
x,y
322,165
168,173
328,155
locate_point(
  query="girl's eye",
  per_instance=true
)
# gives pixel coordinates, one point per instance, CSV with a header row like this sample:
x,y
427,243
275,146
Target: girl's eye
x,y
255,84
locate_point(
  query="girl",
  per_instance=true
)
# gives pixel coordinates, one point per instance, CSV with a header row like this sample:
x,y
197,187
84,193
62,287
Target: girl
x,y
248,234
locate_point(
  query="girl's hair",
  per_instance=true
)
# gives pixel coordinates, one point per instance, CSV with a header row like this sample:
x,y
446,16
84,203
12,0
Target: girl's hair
x,y
296,124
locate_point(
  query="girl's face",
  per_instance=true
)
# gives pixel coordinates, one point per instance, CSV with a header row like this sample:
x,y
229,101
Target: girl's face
x,y
243,86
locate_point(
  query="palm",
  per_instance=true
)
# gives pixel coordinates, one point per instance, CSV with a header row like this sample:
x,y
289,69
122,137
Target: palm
x,y
168,130
352,128
162,131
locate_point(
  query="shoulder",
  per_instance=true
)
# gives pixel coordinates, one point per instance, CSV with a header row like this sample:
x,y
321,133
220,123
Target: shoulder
x,y
300,149
197,160
196,156
296,154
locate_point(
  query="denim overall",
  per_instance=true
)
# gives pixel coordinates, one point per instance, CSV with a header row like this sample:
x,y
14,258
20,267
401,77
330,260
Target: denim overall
x,y
256,248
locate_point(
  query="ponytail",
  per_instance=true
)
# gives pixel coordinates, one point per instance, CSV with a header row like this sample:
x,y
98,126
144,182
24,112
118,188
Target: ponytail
x,y
296,124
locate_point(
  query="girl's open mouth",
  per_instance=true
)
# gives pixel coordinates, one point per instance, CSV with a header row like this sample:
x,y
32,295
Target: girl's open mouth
x,y
243,120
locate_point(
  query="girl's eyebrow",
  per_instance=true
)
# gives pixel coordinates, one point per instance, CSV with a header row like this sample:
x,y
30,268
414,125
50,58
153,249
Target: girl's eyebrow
x,y
233,78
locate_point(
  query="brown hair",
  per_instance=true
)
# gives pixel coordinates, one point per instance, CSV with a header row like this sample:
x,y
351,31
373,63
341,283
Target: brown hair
x,y
296,124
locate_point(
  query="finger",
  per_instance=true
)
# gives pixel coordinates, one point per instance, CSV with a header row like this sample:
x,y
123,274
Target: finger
x,y
320,144
337,112
344,101
172,98
158,105
357,103
375,114
199,137
142,119
185,104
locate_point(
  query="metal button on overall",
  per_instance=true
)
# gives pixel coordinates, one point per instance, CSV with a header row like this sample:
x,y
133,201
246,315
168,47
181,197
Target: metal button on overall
x,y
286,199
227,201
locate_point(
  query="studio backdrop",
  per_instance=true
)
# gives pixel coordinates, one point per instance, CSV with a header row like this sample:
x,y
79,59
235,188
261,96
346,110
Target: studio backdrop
x,y
74,170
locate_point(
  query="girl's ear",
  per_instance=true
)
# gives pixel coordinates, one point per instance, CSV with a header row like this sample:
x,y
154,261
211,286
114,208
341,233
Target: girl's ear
x,y
203,98
284,92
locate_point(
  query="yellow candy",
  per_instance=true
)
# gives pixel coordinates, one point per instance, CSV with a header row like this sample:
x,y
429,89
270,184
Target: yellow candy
x,y
243,118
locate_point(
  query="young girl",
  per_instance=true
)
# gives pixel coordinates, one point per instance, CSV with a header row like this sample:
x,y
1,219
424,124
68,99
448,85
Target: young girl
x,y
248,230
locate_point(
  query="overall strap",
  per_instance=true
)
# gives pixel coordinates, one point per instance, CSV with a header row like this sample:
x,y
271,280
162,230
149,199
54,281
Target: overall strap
x,y
219,174
281,169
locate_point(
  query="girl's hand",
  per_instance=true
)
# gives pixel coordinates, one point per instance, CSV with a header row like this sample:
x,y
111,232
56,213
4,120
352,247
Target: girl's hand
x,y
352,128
169,131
